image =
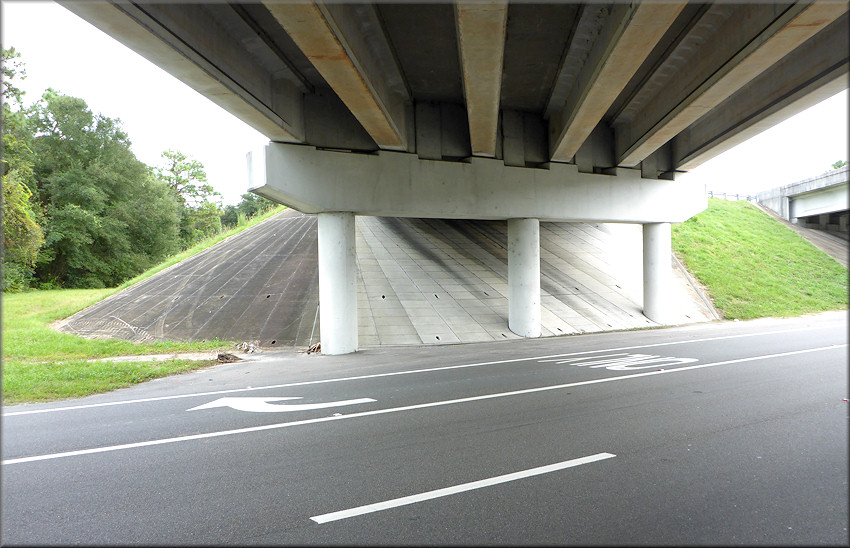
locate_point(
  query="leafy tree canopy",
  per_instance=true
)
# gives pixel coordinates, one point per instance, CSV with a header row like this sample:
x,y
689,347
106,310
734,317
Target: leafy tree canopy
x,y
12,70
250,205
186,178
199,212
22,232
79,210
106,218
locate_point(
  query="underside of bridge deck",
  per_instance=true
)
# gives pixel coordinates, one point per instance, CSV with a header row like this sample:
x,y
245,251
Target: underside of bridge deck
x,y
503,110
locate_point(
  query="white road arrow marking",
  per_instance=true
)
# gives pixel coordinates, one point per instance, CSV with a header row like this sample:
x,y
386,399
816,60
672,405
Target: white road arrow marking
x,y
262,405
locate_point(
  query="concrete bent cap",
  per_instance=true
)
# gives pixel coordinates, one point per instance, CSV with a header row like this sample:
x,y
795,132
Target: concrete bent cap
x,y
396,184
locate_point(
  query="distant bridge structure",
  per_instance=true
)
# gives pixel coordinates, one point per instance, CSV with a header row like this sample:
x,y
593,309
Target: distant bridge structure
x,y
820,202
495,111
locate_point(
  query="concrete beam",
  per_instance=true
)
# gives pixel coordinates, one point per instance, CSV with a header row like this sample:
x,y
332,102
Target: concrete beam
x,y
811,73
626,40
396,184
481,41
204,58
669,113
442,131
818,202
524,142
358,65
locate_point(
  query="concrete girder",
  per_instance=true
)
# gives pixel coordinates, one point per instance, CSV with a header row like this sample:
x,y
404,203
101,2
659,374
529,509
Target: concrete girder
x,y
358,65
205,59
442,131
811,73
393,184
481,43
627,38
817,202
703,84
523,139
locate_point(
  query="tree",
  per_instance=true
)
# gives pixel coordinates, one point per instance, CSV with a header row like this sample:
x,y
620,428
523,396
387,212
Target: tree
x,y
199,223
839,164
200,209
22,235
186,178
22,232
107,217
12,69
252,205
230,216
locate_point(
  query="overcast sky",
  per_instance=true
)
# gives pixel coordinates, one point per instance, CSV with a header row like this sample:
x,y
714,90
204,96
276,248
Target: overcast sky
x,y
158,112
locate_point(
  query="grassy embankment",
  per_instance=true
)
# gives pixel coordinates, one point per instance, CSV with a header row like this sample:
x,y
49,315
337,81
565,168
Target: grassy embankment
x,y
751,265
41,364
754,267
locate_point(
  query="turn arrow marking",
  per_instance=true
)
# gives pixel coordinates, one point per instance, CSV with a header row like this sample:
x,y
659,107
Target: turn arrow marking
x,y
263,405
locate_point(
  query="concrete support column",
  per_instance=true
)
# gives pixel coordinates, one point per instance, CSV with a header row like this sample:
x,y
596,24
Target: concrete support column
x,y
524,277
337,283
657,271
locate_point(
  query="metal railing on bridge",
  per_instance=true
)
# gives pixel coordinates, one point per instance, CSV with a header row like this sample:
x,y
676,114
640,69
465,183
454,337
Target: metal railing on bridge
x,y
730,196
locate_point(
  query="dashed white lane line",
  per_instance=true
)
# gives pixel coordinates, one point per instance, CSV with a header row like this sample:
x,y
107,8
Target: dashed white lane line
x,y
105,449
413,499
392,374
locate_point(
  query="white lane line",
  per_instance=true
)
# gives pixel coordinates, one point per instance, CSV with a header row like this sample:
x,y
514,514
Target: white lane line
x,y
398,409
392,374
412,499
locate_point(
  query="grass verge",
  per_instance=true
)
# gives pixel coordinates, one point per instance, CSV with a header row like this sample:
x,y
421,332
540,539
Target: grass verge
x,y
41,364
754,267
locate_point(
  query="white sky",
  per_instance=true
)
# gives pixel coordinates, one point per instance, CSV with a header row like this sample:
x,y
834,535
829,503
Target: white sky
x,y
158,112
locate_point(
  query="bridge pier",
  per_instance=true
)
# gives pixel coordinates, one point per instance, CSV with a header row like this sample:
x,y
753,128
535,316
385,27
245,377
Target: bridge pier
x,y
657,271
337,282
524,277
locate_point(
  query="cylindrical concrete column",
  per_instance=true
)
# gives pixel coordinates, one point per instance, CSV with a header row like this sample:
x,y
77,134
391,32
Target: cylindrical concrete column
x,y
337,283
657,271
524,277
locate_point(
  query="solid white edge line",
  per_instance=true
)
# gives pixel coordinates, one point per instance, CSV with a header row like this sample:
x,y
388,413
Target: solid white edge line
x,y
394,373
397,409
412,499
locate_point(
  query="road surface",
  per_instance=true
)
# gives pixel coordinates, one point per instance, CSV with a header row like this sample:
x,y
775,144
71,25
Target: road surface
x,y
719,433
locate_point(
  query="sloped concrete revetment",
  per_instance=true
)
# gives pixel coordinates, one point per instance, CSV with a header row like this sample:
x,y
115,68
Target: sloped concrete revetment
x,y
420,281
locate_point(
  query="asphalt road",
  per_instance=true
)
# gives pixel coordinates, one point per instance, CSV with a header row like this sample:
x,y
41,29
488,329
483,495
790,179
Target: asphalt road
x,y
721,433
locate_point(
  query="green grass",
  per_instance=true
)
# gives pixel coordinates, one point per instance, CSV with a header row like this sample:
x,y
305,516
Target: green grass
x,y
753,266
42,364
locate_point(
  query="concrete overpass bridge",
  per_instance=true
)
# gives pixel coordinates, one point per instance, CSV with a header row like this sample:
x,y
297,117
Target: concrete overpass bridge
x,y
492,111
819,202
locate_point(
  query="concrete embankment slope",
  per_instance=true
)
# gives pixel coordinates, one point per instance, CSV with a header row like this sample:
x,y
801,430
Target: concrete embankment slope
x,y
420,281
